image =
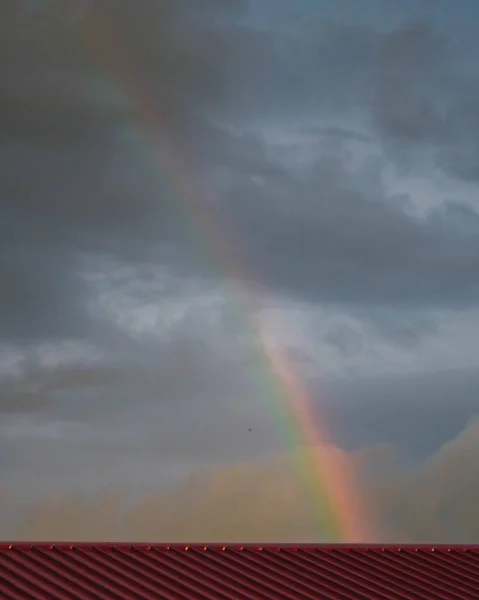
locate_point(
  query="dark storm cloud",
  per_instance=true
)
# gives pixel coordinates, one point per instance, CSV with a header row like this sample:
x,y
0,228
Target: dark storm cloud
x,y
69,181
340,133
40,295
337,236
418,87
426,92
400,410
36,388
346,339
56,63
411,63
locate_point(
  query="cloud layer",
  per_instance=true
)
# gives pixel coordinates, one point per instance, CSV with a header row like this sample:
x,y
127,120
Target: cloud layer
x,y
331,152
74,172
248,502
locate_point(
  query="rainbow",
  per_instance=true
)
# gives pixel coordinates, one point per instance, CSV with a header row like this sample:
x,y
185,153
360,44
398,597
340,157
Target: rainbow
x,y
333,497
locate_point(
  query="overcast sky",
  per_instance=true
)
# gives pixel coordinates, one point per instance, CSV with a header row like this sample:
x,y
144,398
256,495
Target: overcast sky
x,y
147,148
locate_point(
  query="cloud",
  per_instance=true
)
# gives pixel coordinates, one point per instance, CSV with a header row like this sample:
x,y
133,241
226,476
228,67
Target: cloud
x,y
340,133
52,73
79,177
425,95
418,90
304,144
347,241
346,339
438,502
186,389
238,502
36,388
400,408
434,502
72,178
410,82
410,62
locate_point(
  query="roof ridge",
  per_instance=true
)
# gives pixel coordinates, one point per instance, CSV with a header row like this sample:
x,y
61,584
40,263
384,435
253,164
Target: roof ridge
x,y
23,545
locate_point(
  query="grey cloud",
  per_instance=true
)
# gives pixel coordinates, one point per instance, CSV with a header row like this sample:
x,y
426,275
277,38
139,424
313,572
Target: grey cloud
x,y
342,240
411,64
414,84
33,269
345,240
415,412
421,95
346,339
36,388
402,328
425,95
183,403
56,65
189,403
69,179
340,133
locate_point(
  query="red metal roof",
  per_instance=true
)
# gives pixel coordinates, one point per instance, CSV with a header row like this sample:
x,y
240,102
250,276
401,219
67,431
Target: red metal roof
x,y
142,571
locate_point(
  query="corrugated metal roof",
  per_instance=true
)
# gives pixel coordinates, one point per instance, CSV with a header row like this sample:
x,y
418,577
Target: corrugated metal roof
x,y
143,571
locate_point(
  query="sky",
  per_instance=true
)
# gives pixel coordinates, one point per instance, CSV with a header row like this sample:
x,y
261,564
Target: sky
x,y
180,181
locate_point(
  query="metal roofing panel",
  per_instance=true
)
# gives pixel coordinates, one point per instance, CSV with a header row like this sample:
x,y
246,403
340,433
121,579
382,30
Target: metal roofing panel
x,y
152,571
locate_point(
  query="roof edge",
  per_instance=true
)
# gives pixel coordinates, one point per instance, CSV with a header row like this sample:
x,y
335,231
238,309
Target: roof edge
x,y
27,545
